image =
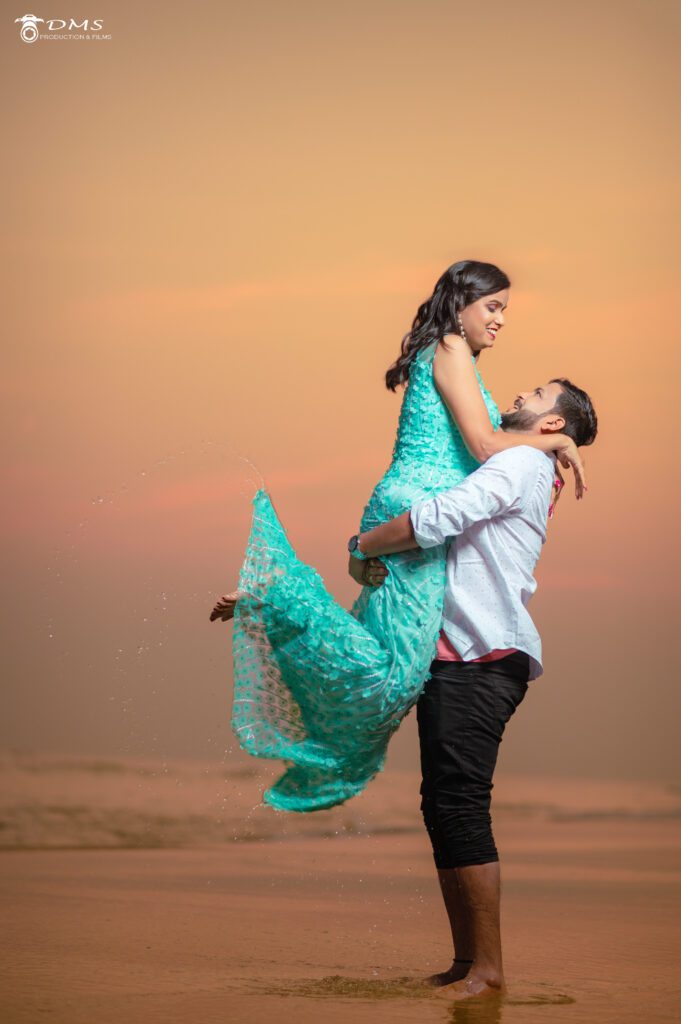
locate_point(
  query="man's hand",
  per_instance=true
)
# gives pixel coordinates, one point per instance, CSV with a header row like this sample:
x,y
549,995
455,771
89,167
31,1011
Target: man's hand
x,y
369,572
375,572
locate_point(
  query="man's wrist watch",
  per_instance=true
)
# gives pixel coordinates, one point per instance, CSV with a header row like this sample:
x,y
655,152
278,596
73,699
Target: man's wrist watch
x,y
353,548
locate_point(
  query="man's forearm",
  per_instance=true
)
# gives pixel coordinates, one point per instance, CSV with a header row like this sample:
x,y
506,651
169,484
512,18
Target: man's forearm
x,y
388,538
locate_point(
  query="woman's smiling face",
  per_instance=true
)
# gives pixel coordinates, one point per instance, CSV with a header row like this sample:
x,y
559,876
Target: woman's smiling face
x,y
483,319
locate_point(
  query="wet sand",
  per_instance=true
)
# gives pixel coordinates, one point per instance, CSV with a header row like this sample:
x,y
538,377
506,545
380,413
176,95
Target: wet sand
x,y
309,927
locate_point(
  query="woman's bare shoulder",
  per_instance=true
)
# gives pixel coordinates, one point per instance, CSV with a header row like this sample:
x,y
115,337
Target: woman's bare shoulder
x,y
449,352
450,344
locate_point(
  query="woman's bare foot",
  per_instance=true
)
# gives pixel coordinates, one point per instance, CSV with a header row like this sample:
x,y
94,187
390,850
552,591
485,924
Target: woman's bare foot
x,y
224,609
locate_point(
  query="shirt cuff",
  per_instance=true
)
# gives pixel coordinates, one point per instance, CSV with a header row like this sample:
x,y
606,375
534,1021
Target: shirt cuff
x,y
422,536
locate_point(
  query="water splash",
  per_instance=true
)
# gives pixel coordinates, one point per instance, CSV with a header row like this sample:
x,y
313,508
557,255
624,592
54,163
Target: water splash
x,y
80,565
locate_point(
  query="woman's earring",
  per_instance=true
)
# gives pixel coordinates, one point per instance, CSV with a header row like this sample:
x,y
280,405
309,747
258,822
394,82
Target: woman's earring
x,y
462,333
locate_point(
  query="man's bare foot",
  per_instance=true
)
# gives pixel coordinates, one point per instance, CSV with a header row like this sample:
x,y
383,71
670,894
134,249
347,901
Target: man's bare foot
x,y
475,984
224,609
455,973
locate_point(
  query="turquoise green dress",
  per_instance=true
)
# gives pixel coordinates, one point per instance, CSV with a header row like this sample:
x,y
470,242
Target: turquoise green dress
x,y
323,688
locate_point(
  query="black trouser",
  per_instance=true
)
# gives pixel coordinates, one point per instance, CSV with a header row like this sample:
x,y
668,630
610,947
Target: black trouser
x,y
461,715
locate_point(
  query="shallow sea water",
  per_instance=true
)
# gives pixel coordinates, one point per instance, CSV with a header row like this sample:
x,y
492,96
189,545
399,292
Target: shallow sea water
x,y
130,896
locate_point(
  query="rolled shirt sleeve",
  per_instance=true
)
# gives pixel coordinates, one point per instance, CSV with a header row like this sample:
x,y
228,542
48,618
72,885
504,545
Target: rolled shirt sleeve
x,y
495,488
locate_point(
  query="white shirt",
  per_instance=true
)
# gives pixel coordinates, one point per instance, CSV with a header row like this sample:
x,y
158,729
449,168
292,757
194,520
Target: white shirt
x,y
497,517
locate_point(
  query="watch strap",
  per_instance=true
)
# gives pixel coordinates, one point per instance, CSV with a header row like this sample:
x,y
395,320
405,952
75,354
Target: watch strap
x,y
354,550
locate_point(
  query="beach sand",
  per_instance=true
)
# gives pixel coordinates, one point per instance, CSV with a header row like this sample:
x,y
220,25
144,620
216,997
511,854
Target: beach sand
x,y
311,918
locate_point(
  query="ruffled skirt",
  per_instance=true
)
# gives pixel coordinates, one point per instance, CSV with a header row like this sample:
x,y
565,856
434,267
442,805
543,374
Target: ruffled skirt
x,y
320,687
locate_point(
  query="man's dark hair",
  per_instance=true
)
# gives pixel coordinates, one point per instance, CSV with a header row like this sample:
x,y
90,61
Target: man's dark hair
x,y
575,406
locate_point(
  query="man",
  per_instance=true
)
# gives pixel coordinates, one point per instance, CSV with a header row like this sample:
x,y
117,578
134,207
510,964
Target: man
x,y
488,651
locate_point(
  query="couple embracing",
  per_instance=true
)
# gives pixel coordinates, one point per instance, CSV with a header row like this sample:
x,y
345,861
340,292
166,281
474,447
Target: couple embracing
x,y
445,553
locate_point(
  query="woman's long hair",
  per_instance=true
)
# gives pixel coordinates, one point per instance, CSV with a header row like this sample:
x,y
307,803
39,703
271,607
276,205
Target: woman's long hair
x,y
462,283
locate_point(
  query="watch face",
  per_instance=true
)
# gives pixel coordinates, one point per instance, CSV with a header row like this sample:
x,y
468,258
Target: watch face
x,y
353,542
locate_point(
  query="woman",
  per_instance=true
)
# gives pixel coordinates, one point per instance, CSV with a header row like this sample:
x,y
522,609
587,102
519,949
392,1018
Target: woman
x,y
323,688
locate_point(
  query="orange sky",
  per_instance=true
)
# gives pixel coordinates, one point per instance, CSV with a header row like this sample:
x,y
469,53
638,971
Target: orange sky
x,y
219,225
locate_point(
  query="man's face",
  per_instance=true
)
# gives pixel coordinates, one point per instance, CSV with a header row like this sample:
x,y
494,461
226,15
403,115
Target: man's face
x,y
531,411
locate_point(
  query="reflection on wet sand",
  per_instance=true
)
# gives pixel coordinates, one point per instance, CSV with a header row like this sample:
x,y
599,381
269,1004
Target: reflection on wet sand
x,y
476,1011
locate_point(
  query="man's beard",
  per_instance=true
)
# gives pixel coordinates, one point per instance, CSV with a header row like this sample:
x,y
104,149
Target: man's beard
x,y
519,419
